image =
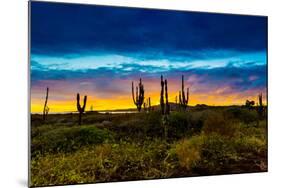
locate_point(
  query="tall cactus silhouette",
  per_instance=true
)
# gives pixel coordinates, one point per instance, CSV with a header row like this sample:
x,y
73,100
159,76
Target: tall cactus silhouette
x,y
162,104
260,106
138,101
167,110
80,109
165,107
180,100
149,104
183,100
46,108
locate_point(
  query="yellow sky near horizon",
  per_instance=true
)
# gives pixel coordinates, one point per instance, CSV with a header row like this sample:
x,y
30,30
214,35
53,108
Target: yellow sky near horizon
x,y
125,102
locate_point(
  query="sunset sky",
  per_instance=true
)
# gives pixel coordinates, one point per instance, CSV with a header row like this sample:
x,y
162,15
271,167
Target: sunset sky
x,y
98,51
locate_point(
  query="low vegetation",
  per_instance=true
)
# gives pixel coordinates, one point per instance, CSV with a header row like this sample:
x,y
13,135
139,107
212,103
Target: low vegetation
x,y
118,147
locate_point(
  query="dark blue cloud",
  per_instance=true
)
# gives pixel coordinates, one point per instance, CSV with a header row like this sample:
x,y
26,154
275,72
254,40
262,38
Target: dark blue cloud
x,y
59,29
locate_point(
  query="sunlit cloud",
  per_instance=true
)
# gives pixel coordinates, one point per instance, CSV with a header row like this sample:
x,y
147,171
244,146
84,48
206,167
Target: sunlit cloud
x,y
129,62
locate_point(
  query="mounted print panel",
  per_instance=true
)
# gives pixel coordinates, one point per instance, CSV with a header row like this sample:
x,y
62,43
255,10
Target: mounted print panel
x,y
121,94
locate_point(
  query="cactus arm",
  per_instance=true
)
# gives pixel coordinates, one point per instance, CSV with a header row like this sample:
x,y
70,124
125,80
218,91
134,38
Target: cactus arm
x,y
45,105
166,96
139,98
84,105
182,89
133,93
137,95
260,99
162,95
166,92
47,96
78,102
260,107
79,108
180,99
187,96
142,94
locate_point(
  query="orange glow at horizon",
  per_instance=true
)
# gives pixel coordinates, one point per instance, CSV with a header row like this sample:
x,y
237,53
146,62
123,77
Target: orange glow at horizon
x,y
126,102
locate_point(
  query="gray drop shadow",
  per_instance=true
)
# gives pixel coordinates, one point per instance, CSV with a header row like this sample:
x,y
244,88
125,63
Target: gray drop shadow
x,y
23,183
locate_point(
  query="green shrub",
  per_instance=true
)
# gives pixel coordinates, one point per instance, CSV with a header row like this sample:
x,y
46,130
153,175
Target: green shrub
x,y
258,130
219,124
205,154
178,124
104,162
197,119
214,140
68,139
217,154
245,115
154,120
138,126
189,151
256,146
